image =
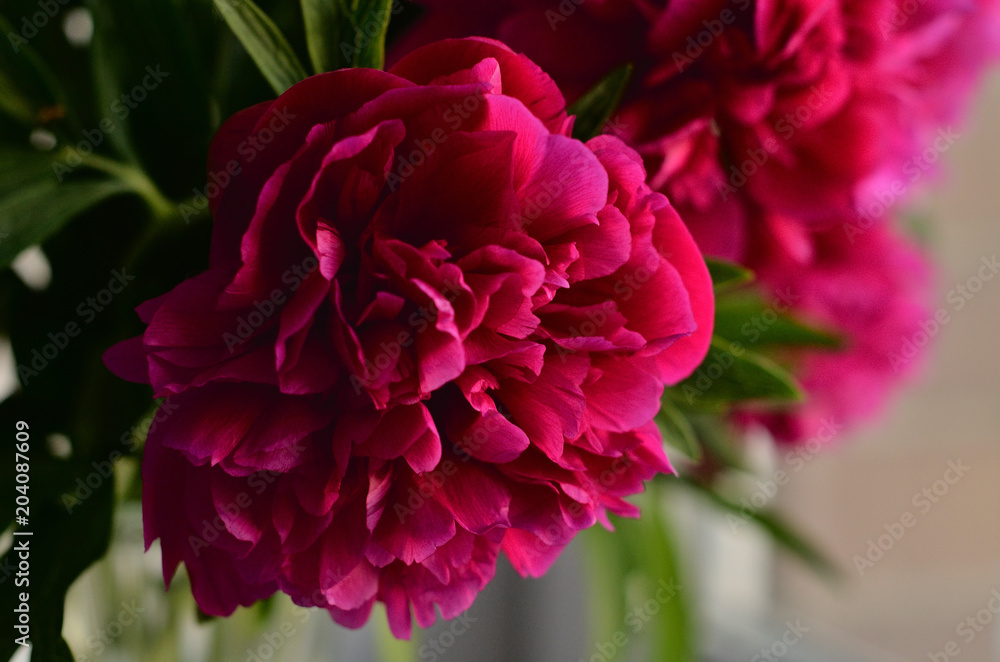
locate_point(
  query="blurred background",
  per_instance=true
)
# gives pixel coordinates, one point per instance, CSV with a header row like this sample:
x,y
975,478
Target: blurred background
x,y
908,509
946,569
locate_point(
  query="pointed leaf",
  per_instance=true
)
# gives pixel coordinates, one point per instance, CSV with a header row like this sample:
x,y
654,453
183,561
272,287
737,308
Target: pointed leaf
x,y
346,34
727,275
264,42
29,92
731,373
795,543
151,78
323,34
750,320
370,18
596,106
20,167
32,214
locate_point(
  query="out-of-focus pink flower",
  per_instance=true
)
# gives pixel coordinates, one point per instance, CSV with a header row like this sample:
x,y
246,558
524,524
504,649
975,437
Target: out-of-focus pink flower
x,y
434,327
773,126
874,290
800,107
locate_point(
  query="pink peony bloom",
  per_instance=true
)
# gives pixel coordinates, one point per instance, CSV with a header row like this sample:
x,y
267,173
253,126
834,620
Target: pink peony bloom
x,y
434,328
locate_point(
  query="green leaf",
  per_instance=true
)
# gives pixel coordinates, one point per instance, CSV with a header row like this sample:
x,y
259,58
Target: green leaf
x,y
607,576
920,225
54,567
346,33
20,167
718,441
731,373
36,211
323,34
370,18
750,320
28,89
152,95
677,430
104,54
596,106
727,275
264,42
795,543
13,103
783,533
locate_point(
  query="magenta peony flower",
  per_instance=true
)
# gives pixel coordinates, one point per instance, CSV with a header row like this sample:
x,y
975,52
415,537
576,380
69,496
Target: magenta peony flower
x,y
434,327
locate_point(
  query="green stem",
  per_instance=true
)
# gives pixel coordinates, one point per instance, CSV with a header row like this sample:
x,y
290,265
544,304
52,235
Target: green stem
x,y
163,209
606,577
675,632
391,649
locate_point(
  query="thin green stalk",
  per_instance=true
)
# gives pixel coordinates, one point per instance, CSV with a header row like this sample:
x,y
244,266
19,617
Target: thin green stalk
x,y
391,649
163,209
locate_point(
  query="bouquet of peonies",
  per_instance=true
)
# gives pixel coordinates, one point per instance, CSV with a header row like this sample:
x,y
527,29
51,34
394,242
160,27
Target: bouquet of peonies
x,y
401,320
